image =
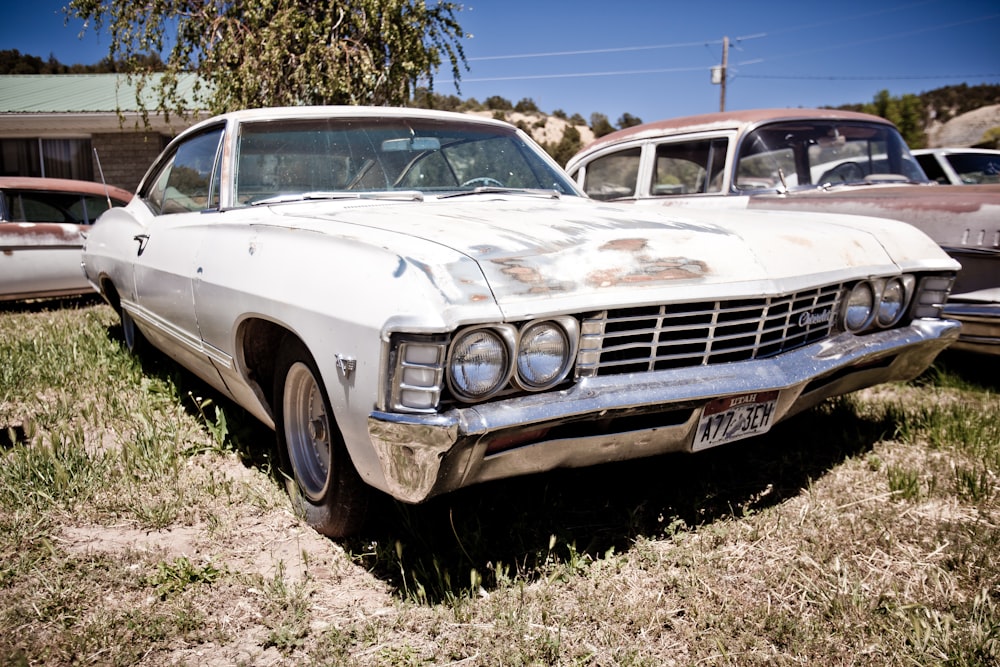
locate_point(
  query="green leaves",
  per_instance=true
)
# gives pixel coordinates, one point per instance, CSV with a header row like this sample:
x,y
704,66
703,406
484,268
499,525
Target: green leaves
x,y
260,53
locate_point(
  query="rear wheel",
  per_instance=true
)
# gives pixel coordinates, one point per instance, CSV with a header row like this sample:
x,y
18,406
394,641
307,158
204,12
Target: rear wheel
x,y
321,481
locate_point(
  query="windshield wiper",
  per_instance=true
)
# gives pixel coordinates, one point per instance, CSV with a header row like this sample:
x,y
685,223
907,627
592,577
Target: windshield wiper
x,y
321,195
492,189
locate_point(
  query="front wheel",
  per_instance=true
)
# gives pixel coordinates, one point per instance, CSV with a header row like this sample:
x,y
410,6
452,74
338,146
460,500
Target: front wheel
x,y
321,481
133,337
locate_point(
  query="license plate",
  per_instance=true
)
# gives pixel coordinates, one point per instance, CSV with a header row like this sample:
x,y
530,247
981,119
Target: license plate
x,y
734,418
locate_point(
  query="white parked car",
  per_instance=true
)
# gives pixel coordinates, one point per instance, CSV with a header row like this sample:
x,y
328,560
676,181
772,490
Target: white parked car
x,y
960,166
418,301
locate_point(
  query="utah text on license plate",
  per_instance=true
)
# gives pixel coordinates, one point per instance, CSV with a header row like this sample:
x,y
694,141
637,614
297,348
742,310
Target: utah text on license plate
x,y
735,417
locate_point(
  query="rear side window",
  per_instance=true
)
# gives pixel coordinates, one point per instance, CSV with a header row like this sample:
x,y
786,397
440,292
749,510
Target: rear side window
x,y
47,206
689,167
614,175
188,180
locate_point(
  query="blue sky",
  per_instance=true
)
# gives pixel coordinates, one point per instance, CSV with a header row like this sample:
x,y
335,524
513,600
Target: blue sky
x,y
653,59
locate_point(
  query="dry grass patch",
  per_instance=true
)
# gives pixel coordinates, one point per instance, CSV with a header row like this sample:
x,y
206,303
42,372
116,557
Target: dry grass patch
x,y
141,524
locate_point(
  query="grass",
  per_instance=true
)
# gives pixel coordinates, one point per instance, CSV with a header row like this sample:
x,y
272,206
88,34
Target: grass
x,y
141,523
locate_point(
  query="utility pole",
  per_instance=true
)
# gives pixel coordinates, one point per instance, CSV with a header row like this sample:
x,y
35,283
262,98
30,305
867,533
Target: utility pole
x,y
719,73
725,65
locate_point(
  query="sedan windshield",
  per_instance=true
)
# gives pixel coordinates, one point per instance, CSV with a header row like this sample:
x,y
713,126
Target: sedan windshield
x,y
817,153
280,159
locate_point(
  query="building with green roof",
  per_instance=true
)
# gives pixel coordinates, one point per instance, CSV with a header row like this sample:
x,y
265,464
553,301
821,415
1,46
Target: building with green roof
x,y
52,125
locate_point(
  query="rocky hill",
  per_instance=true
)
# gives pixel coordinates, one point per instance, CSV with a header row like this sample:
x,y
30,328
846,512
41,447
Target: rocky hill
x,y
543,128
968,129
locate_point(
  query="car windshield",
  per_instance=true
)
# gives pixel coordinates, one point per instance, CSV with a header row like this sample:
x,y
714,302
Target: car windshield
x,y
819,153
331,156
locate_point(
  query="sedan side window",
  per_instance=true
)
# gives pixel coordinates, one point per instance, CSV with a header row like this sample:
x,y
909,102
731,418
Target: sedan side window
x,y
189,180
931,167
614,175
689,167
46,206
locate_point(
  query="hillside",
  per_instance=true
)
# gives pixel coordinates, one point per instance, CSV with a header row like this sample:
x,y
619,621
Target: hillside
x,y
968,129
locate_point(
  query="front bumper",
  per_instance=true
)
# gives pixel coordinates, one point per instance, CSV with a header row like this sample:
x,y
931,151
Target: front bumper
x,y
980,326
615,418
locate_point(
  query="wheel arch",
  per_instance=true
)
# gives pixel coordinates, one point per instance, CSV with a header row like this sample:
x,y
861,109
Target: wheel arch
x,y
258,343
110,293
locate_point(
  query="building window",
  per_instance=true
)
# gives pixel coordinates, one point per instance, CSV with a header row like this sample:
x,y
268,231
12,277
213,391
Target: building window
x,y
50,158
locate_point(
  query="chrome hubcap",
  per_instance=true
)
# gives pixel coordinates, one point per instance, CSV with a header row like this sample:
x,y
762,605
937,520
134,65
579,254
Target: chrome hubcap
x,y
307,431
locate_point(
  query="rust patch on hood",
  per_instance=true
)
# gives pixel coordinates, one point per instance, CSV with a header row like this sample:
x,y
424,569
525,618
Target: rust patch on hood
x,y
624,261
673,268
628,245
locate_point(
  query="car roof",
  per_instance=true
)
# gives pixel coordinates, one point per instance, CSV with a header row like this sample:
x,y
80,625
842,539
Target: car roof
x,y
947,150
63,185
343,111
725,120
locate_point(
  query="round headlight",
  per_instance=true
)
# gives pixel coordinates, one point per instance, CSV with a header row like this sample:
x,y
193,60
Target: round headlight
x,y
480,364
542,355
890,307
860,303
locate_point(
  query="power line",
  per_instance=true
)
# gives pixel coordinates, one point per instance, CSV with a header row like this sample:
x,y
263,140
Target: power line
x,y
737,40
621,49
883,38
575,75
893,77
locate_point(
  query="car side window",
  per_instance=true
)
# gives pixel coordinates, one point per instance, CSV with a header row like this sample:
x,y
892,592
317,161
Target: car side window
x,y
32,206
88,207
188,181
46,206
612,176
689,167
931,167
975,168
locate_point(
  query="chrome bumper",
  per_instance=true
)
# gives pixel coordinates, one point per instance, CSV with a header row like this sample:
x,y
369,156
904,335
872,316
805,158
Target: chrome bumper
x,y
620,417
980,326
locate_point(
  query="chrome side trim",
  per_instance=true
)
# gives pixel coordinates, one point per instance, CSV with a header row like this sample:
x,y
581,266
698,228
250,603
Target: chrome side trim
x,y
185,339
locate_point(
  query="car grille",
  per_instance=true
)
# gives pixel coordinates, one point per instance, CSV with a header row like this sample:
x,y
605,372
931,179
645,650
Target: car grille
x,y
652,338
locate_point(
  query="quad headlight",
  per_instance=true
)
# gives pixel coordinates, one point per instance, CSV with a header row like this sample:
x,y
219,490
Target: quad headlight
x,y
543,355
859,308
877,303
537,356
480,362
892,302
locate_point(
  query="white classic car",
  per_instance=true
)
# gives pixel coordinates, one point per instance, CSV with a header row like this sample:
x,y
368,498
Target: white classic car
x,y
960,166
418,301
42,221
821,160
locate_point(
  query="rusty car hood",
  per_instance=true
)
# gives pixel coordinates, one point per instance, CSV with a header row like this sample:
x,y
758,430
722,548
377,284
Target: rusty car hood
x,y
952,215
575,253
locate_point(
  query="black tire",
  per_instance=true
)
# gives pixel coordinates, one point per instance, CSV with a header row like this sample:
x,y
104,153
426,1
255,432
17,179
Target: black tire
x,y
322,483
134,340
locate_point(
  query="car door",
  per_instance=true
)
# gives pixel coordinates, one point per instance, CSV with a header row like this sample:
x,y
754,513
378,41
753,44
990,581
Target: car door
x,y
182,198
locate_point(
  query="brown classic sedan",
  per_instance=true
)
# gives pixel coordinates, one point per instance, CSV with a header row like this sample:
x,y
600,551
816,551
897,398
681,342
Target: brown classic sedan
x,y
42,221
817,160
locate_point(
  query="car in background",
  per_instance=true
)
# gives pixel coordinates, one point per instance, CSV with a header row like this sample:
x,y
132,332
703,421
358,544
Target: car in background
x,y
819,160
42,221
417,301
960,166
